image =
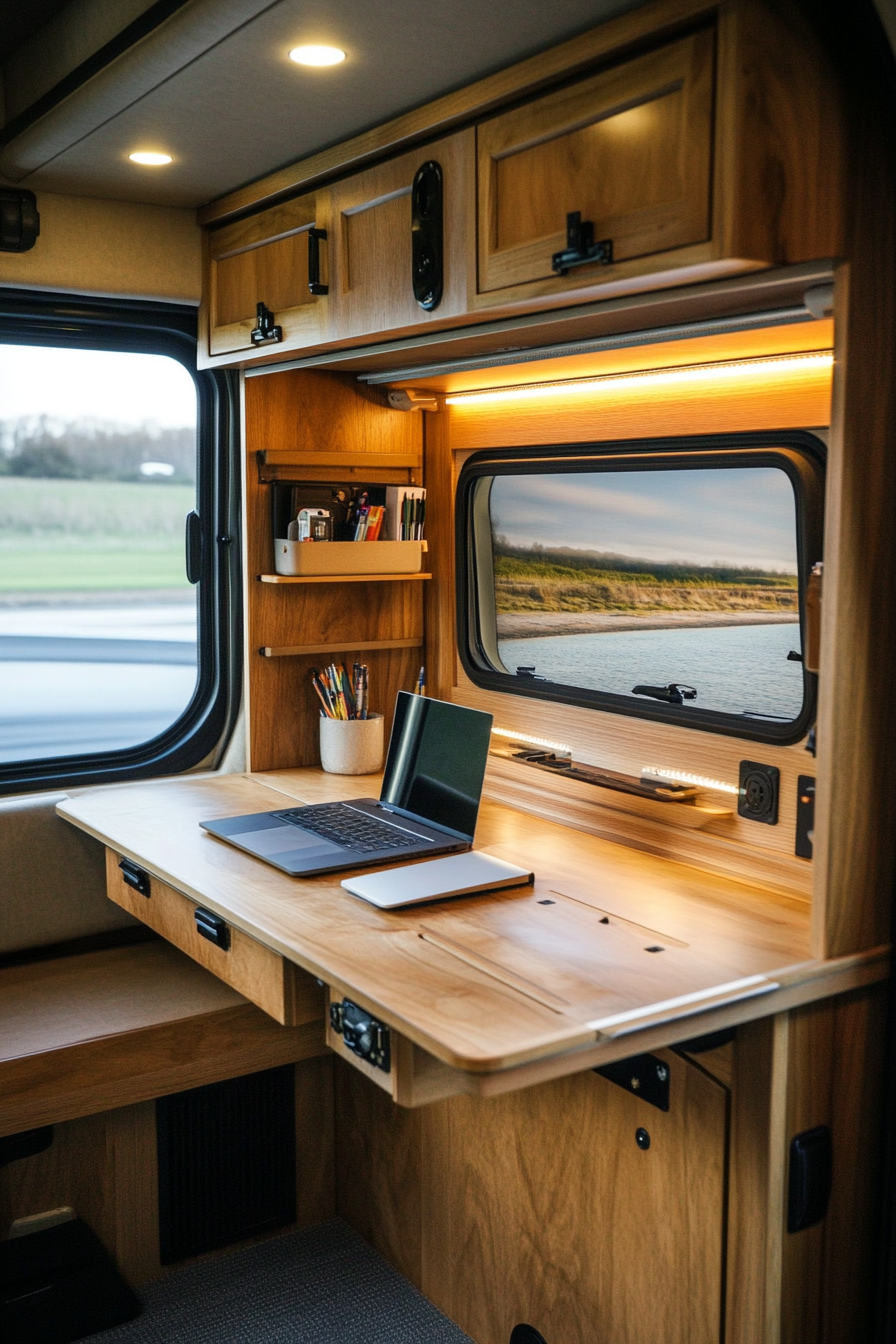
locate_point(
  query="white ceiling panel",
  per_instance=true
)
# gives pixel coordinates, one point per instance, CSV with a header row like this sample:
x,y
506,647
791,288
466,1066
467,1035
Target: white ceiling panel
x,y
240,108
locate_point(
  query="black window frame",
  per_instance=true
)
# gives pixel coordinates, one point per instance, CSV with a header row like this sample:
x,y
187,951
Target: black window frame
x,y
149,327
800,453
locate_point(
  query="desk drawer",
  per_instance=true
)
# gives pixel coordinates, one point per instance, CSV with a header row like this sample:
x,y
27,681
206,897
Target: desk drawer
x,y
286,992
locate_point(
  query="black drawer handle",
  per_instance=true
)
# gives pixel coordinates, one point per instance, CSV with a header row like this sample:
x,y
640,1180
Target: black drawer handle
x,y
580,246
314,284
213,928
134,877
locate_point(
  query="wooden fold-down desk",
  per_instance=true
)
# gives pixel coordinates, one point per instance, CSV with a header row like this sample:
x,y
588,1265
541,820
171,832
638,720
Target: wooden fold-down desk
x,y
614,952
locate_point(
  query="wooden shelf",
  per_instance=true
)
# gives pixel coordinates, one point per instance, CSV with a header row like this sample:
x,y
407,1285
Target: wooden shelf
x,y
340,578
344,646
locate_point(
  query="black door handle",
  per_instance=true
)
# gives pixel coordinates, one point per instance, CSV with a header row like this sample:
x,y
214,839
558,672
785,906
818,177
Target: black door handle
x,y
427,251
194,547
314,284
212,927
135,877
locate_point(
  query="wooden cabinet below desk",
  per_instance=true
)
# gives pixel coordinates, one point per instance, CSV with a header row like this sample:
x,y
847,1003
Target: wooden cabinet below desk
x,y
281,989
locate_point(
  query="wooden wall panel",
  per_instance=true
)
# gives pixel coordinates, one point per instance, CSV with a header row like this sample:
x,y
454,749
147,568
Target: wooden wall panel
x,y
541,1207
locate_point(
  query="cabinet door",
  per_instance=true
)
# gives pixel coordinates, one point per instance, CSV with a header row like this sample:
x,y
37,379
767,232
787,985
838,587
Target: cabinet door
x,y
264,259
629,148
372,279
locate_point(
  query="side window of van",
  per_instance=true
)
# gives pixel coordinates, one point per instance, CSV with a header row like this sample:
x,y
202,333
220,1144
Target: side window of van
x,y
114,608
663,580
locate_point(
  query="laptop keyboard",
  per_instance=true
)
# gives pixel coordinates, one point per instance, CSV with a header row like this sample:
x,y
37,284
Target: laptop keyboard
x,y
352,830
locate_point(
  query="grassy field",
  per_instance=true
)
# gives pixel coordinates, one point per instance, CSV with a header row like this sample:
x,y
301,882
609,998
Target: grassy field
x,y
537,580
84,536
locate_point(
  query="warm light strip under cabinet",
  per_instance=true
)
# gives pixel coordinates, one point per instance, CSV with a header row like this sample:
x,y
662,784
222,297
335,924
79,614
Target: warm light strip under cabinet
x,y
749,369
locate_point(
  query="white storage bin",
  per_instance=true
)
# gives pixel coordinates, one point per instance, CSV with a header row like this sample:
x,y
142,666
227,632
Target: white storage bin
x,y
297,558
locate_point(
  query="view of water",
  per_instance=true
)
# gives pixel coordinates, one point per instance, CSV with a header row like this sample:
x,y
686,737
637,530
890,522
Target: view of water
x,y
734,668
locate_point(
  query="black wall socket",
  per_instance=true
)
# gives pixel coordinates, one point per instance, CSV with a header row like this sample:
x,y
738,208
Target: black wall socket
x,y
757,797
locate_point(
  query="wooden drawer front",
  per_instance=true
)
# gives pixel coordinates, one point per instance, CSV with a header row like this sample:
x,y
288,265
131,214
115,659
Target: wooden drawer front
x,y
630,148
282,990
264,259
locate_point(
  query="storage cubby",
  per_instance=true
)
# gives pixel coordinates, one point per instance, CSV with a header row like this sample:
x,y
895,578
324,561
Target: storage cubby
x,y
316,433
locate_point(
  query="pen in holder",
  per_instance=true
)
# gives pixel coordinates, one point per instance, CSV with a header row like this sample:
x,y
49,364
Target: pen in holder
x,y
351,738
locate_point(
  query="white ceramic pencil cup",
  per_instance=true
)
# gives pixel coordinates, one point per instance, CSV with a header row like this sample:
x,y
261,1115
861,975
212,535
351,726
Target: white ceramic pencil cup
x,y
352,746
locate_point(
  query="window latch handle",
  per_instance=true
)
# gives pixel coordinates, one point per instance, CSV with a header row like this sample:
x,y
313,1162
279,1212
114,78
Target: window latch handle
x,y
194,547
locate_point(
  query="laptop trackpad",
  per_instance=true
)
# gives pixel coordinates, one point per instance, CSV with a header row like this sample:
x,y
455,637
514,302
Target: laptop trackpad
x,y
283,839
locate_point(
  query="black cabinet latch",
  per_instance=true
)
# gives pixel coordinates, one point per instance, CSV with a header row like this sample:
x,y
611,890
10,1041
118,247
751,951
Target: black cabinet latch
x,y
581,249
364,1035
213,928
427,254
809,1178
314,241
266,333
134,876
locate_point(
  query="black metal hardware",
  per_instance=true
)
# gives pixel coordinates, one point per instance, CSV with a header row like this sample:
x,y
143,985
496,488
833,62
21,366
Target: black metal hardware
x,y
642,1138
580,246
757,795
645,1076
526,1334
266,333
364,1035
314,238
135,877
19,220
794,656
427,253
25,1144
194,547
809,1181
805,816
673,694
212,927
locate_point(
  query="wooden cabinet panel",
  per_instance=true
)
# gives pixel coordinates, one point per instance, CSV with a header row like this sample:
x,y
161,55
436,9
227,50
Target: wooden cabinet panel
x,y
630,148
541,1207
371,213
284,991
264,259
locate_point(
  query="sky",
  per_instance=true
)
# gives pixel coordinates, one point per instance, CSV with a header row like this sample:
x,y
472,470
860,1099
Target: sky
x,y
123,389
743,516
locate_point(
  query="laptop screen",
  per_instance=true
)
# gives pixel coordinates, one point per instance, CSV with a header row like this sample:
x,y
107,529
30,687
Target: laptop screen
x,y
436,762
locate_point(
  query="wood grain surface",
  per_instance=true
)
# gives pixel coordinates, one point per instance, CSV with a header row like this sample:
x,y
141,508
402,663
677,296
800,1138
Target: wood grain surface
x,y
540,1207
266,979
472,1019
87,1033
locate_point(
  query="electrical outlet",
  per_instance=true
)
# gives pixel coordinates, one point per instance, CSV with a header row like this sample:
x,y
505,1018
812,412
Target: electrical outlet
x,y
757,797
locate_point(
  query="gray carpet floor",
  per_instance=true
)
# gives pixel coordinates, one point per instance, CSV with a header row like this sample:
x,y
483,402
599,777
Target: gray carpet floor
x,y
324,1285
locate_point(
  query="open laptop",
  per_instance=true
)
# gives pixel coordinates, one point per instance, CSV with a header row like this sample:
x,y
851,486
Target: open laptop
x,y
428,804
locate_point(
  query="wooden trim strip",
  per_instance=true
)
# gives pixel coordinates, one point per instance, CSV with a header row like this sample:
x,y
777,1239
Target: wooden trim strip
x,y
346,645
685,1005
294,457
340,578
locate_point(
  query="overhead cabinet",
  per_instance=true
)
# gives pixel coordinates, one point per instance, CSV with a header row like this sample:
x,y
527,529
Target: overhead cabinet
x,y
625,156
277,259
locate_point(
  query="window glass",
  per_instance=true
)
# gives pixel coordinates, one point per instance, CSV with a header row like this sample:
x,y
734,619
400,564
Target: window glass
x,y
663,583
98,647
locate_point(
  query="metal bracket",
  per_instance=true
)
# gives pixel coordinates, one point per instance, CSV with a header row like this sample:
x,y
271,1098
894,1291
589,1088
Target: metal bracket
x,y
581,249
645,1076
266,333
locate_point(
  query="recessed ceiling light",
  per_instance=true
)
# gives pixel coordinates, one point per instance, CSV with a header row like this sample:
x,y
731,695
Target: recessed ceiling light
x,y
149,159
316,55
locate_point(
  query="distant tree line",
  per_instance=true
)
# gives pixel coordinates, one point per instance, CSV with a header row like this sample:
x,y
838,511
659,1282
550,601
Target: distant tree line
x,y
37,446
565,561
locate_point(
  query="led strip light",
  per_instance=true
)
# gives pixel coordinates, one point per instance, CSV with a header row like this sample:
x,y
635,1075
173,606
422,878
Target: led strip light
x,y
685,777
532,741
696,373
